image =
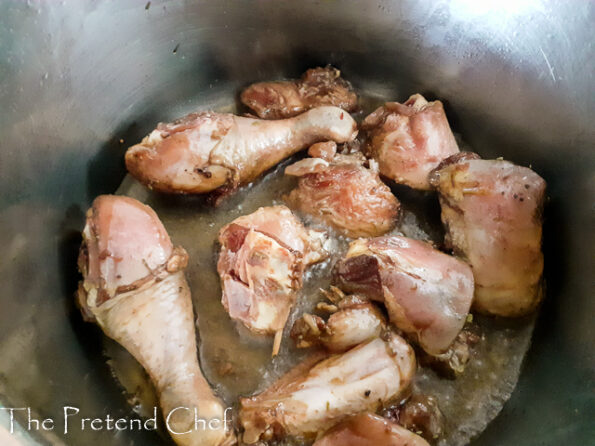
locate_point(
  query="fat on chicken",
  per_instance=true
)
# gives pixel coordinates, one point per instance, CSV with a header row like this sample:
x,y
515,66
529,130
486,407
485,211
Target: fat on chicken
x,y
367,429
409,140
284,99
344,193
323,391
134,288
427,293
206,151
492,211
261,264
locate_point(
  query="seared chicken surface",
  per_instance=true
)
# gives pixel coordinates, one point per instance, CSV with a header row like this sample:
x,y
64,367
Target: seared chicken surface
x,y
261,264
492,213
344,193
420,414
354,320
134,288
409,140
367,429
317,394
205,151
427,293
284,99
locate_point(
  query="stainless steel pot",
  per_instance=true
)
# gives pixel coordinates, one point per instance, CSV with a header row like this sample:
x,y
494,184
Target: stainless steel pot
x,y
80,80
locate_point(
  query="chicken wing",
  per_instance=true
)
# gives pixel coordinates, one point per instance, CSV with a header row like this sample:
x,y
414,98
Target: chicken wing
x,y
492,213
261,264
352,322
317,394
205,151
134,288
409,140
427,293
284,99
344,194
367,429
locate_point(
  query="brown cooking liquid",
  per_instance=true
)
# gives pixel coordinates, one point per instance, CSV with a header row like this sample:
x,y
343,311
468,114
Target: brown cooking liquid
x,y
237,363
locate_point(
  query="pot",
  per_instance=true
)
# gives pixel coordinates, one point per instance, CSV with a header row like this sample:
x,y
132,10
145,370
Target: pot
x,y
81,81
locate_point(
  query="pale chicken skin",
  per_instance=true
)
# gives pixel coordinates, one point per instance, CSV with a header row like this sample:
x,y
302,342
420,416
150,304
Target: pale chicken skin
x,y
353,320
345,194
262,260
134,288
492,213
409,140
319,393
284,99
427,293
367,429
206,151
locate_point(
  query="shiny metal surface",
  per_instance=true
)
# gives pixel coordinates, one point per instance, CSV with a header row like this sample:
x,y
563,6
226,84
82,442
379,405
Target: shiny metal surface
x,y
76,77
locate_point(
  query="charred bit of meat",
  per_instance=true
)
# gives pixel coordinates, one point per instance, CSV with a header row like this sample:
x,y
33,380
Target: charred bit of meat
x,y
419,414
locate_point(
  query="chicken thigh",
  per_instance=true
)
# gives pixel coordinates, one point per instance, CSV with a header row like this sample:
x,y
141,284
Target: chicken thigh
x,y
345,194
317,394
409,140
492,213
284,99
205,151
134,288
261,264
367,429
427,293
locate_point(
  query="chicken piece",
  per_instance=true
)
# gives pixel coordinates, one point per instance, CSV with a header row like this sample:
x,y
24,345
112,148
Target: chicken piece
x,y
205,151
427,293
354,321
492,213
367,429
261,264
134,288
419,414
452,363
344,194
409,140
317,394
284,99
325,150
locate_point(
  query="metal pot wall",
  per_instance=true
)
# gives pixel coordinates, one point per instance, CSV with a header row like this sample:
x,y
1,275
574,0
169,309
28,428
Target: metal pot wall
x,y
80,80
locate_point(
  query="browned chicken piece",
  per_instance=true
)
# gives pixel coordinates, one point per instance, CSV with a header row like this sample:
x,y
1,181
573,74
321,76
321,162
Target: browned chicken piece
x,y
344,193
261,264
420,414
453,361
317,394
427,293
134,288
205,151
367,429
325,150
409,140
284,99
353,321
492,212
